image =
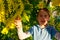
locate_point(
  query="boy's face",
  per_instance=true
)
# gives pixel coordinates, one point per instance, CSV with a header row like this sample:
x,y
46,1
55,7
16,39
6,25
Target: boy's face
x,y
43,17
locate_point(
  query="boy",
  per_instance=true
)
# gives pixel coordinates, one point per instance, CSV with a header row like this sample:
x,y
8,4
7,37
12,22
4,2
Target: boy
x,y
42,31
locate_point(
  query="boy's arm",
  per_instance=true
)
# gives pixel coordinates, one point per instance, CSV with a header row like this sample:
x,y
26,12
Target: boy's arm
x,y
22,35
57,36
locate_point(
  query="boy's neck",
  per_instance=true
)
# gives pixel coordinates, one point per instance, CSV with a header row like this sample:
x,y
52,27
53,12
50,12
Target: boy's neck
x,y
43,26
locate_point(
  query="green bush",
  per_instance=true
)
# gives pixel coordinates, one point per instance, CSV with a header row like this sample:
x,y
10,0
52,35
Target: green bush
x,y
26,9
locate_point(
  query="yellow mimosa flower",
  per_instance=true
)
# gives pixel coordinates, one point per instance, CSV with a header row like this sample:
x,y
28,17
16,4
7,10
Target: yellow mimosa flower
x,y
26,17
12,26
4,31
0,0
41,4
55,2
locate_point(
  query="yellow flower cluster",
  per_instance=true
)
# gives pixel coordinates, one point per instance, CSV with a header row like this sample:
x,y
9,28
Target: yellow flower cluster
x,y
12,26
26,17
4,31
41,4
0,1
2,16
56,2
10,21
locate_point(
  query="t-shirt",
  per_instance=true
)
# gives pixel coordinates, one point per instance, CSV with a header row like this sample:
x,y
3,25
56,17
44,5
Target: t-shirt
x,y
42,34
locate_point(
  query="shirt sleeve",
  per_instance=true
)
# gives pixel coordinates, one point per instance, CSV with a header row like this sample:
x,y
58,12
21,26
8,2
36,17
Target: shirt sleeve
x,y
53,31
31,30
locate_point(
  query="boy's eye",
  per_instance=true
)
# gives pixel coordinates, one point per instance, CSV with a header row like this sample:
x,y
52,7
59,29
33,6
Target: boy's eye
x,y
43,15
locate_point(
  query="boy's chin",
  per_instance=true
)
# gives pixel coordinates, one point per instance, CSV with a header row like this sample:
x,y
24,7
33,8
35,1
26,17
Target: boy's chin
x,y
43,23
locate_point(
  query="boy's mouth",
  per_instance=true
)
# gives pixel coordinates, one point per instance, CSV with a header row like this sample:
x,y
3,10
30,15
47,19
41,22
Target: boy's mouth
x,y
42,21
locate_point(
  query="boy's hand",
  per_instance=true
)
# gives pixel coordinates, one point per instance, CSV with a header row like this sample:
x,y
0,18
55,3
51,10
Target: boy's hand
x,y
18,22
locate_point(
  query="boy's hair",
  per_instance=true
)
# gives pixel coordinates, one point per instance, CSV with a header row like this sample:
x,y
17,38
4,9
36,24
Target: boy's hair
x,y
45,9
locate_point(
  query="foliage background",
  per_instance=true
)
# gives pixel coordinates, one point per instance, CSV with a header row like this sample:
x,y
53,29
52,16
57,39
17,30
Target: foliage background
x,y
25,9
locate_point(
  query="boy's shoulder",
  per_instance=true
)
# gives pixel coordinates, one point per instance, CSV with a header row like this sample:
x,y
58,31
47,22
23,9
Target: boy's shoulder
x,y
50,27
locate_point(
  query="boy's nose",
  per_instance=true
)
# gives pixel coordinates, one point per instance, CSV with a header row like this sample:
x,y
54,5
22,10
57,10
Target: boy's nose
x,y
43,17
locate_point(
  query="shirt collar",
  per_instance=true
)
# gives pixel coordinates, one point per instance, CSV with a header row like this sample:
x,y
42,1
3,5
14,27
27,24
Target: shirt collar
x,y
47,26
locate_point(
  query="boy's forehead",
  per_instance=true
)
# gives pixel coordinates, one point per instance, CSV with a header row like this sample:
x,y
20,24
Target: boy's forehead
x,y
42,12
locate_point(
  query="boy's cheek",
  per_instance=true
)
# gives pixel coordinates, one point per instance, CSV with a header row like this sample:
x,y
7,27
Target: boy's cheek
x,y
47,19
